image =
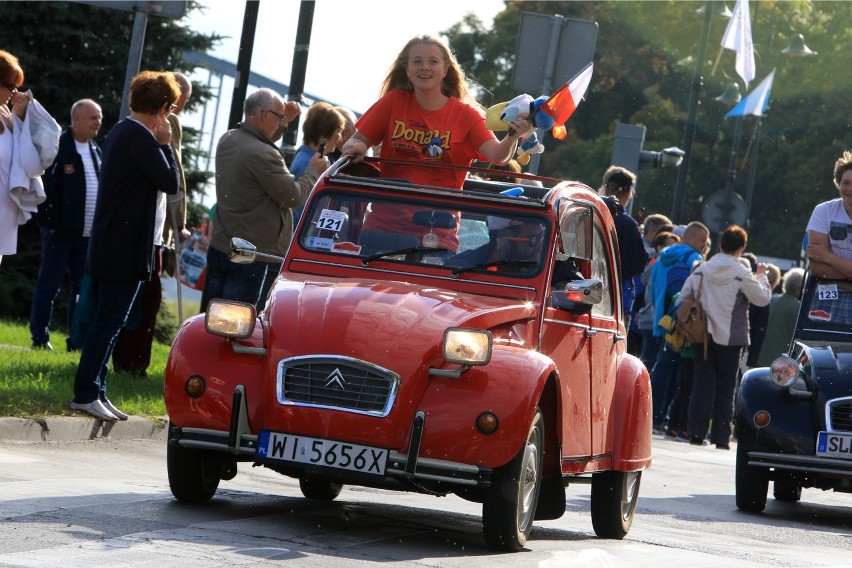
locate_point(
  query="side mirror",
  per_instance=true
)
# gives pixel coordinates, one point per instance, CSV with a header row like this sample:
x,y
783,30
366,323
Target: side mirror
x,y
578,296
242,251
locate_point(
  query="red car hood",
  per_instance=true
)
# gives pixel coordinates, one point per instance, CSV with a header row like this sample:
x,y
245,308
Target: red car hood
x,y
387,323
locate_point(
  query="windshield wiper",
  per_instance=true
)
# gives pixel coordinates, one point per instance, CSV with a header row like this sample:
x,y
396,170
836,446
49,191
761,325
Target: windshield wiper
x,y
408,250
505,262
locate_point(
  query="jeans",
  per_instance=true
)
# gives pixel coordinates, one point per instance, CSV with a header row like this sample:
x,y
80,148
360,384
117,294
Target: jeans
x,y
665,378
114,299
231,281
60,254
650,348
132,352
713,391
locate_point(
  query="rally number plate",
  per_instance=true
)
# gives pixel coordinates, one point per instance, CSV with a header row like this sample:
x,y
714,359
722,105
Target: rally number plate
x,y
834,445
320,452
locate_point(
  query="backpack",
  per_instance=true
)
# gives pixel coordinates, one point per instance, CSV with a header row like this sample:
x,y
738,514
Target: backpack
x,y
691,321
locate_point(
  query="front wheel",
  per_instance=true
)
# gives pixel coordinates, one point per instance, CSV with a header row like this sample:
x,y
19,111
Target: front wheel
x,y
752,483
786,489
614,498
193,474
319,489
509,506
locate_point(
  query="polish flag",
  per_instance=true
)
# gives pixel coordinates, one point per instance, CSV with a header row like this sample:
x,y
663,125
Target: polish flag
x,y
562,104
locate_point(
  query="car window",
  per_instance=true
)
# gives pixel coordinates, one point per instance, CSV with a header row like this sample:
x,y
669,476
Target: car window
x,y
467,240
601,269
831,303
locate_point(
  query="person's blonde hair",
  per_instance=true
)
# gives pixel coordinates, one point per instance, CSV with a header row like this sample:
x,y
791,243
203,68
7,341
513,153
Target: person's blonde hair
x,y
455,84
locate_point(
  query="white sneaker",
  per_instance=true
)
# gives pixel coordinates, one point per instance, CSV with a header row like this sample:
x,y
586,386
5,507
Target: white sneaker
x,y
96,408
115,412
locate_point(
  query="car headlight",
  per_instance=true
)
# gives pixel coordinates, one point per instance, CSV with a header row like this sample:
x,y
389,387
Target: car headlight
x,y
234,320
467,346
784,371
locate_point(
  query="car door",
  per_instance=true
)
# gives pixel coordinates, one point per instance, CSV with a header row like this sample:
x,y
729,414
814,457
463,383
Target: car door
x,y
564,338
607,338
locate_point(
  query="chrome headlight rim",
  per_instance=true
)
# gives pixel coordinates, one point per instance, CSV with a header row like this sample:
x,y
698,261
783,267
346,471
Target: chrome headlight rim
x,y
468,347
784,371
230,318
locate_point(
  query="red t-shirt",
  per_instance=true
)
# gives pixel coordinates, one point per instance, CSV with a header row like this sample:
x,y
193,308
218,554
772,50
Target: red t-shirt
x,y
450,135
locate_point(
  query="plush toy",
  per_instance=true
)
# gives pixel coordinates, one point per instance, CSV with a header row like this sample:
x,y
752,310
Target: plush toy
x,y
498,116
547,113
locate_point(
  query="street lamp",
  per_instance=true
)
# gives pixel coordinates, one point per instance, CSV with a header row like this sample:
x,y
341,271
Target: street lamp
x,y
689,129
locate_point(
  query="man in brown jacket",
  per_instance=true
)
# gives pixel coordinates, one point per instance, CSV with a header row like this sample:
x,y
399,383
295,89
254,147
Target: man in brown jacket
x,y
255,196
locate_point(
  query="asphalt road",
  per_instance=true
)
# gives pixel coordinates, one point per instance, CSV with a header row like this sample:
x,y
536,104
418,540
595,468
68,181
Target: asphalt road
x,y
107,502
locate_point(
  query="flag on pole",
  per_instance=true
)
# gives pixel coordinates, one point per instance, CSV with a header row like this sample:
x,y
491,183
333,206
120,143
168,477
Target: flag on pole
x,y
738,38
755,102
562,104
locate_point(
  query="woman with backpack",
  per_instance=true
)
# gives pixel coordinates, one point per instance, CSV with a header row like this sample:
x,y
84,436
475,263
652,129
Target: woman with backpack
x,y
725,286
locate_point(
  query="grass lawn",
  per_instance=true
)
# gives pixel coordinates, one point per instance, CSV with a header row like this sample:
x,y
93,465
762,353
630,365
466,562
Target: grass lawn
x,y
36,384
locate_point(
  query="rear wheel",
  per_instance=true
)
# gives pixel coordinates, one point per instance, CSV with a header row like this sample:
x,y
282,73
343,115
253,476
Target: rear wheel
x,y
614,498
786,489
509,506
193,474
320,489
752,483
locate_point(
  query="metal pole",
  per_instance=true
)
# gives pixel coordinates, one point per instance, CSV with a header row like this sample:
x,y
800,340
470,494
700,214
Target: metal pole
x,y
732,172
134,59
549,70
297,72
689,130
241,76
752,172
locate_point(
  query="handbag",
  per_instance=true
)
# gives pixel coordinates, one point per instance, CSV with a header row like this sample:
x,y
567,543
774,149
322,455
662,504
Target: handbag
x,y
691,320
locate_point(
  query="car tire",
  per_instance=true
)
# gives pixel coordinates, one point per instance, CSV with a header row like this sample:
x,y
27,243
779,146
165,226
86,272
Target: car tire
x,y
319,489
752,483
614,498
193,474
786,489
508,508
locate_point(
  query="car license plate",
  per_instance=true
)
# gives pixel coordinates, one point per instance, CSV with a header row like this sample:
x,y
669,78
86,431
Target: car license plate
x,y
832,444
320,452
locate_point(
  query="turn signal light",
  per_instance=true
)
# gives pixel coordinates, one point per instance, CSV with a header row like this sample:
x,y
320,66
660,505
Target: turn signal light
x,y
195,386
761,418
487,423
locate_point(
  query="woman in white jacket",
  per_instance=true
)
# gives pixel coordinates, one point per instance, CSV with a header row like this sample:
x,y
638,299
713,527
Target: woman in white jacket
x,y
727,286
11,77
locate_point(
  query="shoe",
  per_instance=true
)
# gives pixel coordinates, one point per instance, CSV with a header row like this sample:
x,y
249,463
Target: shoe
x,y
42,345
115,412
723,447
96,409
698,441
682,437
670,434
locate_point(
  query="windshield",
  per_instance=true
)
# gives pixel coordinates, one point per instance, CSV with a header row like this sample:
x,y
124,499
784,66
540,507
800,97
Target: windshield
x,y
831,303
472,239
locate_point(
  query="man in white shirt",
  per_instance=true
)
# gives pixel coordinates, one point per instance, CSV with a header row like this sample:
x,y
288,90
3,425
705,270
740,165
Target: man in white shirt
x,y
65,219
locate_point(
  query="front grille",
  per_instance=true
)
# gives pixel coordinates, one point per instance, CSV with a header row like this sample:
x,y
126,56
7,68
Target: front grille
x,y
343,383
839,414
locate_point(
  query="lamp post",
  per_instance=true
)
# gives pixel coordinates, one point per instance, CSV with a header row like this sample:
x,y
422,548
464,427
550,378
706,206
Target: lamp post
x,y
689,130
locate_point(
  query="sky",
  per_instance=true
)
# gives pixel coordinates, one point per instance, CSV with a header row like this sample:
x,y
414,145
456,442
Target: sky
x,y
353,42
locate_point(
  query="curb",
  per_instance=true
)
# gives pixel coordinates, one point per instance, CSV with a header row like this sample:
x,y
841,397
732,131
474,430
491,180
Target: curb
x,y
66,428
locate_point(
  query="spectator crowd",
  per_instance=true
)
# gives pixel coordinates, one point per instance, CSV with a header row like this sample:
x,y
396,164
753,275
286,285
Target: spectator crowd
x,y
109,216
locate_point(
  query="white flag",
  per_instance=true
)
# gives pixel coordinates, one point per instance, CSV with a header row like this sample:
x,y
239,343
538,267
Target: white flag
x,y
738,38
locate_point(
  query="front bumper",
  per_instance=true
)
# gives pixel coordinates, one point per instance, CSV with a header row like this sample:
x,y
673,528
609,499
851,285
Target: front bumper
x,y
812,465
240,443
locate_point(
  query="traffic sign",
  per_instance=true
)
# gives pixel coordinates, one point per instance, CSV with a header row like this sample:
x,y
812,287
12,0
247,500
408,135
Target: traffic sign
x,y
723,209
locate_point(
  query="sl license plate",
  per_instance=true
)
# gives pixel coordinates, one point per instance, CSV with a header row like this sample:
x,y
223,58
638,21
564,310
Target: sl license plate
x,y
321,452
835,445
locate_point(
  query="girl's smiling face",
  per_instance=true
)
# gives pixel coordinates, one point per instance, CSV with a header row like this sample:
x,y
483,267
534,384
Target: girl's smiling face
x,y
426,67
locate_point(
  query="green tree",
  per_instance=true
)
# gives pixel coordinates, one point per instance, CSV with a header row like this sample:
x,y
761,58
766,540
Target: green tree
x,y
644,63
70,51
